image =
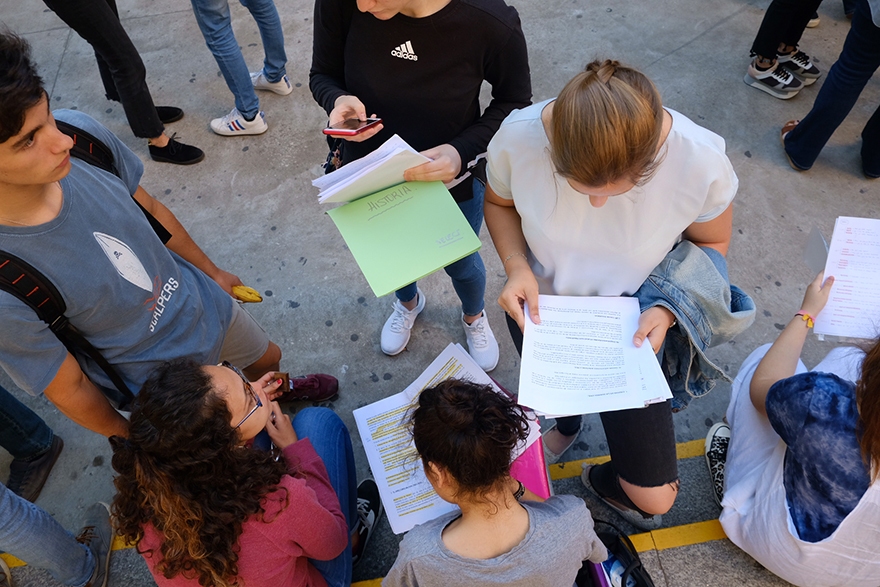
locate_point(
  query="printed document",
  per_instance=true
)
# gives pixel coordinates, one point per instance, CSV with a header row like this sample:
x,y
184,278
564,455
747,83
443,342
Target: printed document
x,y
853,308
581,359
380,169
406,493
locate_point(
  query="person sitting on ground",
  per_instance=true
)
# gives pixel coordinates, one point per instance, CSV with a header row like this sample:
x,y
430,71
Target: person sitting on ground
x,y
206,510
29,533
465,435
778,67
796,470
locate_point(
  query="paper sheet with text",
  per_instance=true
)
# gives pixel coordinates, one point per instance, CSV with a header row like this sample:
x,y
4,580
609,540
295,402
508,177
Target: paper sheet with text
x,y
853,308
406,493
581,359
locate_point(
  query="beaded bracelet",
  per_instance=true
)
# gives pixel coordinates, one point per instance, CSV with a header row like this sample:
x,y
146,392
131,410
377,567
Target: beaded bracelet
x,y
511,256
806,318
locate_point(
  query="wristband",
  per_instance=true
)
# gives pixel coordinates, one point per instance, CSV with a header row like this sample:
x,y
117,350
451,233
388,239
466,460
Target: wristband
x,y
517,495
511,256
806,318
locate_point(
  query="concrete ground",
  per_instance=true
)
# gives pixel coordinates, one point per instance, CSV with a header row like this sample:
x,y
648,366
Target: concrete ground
x,y
251,206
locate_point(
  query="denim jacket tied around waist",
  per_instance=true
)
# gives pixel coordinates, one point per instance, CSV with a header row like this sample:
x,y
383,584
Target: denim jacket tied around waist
x,y
692,284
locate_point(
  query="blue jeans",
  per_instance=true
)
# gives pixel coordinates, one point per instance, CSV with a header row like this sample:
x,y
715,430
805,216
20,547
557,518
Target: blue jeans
x,y
331,441
468,274
858,61
22,432
31,534
216,26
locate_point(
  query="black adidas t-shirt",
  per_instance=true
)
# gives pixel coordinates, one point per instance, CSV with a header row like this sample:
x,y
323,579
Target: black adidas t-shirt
x,y
422,76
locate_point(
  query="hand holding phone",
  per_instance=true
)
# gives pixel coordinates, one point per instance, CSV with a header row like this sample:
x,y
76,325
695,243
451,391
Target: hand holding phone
x,y
352,127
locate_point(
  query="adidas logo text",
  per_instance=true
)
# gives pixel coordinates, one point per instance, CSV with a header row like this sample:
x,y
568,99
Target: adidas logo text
x,y
405,51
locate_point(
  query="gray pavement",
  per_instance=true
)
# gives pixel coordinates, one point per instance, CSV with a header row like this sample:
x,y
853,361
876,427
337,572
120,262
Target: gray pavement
x,y
252,208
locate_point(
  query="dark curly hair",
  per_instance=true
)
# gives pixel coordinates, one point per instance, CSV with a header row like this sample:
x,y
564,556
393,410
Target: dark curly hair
x,y
20,86
182,469
470,430
868,401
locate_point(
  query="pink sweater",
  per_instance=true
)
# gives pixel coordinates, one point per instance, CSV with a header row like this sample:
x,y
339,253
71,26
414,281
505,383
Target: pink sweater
x,y
276,553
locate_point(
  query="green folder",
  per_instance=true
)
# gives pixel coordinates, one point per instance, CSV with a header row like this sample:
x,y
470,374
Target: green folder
x,y
403,233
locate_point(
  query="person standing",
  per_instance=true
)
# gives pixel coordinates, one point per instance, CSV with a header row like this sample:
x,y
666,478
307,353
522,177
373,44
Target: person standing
x,y
804,140
420,64
124,76
215,22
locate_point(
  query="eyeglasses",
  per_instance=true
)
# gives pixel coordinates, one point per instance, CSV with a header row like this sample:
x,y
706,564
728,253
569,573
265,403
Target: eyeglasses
x,y
248,387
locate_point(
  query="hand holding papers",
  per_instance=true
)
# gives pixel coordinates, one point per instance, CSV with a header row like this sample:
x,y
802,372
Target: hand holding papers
x,y
380,169
397,231
853,308
407,495
581,358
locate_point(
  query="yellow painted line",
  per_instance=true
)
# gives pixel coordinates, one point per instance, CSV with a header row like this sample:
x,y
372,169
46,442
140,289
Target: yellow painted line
x,y
683,450
688,534
370,583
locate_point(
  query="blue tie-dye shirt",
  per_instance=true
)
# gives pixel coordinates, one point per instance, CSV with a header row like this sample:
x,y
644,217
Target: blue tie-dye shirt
x,y
824,475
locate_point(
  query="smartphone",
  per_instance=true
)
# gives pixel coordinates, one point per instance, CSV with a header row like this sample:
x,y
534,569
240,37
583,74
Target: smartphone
x,y
352,126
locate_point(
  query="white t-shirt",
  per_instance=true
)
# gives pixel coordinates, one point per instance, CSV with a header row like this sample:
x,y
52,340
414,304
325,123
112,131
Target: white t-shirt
x,y
578,250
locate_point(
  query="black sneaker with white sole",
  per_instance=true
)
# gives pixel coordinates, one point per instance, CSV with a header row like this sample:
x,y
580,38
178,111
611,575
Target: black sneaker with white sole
x,y
369,509
717,443
776,81
801,66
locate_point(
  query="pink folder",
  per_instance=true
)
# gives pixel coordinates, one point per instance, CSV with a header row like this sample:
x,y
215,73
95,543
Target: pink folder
x,y
531,470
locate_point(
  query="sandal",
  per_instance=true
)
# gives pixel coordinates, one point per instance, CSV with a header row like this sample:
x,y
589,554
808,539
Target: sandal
x,y
631,516
551,457
787,128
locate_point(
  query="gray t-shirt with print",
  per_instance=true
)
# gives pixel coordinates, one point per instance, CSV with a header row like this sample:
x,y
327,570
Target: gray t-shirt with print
x,y
559,539
130,296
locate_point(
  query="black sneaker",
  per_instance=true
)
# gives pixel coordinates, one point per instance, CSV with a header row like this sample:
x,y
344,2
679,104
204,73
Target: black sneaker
x,y
168,114
97,535
776,81
369,508
26,478
177,153
717,442
799,64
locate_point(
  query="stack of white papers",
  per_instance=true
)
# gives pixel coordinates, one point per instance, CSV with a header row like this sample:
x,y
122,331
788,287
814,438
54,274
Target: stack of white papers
x,y
581,358
853,308
406,493
380,169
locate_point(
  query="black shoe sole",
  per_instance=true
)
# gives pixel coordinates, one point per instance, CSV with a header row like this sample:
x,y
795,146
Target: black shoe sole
x,y
169,114
161,159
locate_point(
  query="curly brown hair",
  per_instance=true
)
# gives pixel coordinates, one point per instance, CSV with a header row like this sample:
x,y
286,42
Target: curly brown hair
x,y
183,470
470,430
868,401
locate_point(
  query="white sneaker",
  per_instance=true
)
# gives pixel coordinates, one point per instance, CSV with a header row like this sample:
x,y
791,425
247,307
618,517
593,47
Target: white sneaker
x,y
398,327
282,87
234,124
481,343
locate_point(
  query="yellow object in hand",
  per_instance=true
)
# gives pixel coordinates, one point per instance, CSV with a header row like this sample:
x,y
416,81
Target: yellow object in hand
x,y
246,294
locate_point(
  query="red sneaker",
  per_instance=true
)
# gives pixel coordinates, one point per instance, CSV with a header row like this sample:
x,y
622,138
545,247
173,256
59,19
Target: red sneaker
x,y
316,387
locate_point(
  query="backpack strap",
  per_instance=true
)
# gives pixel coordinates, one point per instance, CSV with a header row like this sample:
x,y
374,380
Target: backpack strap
x,y
87,147
22,280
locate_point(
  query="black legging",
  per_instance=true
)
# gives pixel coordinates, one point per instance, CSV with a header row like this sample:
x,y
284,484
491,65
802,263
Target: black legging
x,y
784,22
641,441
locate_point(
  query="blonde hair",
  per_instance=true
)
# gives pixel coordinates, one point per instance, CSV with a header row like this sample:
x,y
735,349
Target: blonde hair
x,y
606,126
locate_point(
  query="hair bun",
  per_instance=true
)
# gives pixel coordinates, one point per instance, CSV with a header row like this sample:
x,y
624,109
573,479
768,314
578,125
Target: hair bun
x,y
604,70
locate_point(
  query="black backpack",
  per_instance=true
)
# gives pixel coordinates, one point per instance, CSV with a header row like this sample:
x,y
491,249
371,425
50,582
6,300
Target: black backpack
x,y
26,283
